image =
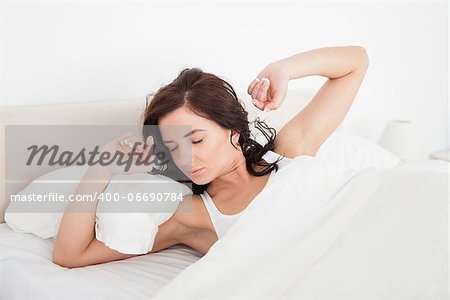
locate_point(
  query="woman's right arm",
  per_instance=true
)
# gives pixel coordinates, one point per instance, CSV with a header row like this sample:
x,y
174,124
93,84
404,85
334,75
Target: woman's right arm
x,y
76,231
75,243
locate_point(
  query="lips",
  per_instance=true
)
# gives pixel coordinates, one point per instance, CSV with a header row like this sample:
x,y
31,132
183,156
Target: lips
x,y
195,170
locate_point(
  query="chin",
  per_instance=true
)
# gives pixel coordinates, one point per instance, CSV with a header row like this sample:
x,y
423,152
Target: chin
x,y
199,181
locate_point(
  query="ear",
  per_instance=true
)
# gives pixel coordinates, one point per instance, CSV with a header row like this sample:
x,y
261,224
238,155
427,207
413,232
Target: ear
x,y
235,136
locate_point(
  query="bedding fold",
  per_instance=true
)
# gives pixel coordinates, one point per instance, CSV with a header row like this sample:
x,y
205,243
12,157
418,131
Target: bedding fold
x,y
288,243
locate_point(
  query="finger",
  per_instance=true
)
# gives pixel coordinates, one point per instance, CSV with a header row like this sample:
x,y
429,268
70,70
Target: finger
x,y
252,86
267,107
262,93
274,104
146,157
137,157
149,143
256,89
136,143
258,104
126,145
147,150
128,142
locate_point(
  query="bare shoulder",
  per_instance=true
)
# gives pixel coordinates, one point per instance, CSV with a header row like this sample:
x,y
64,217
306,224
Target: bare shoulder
x,y
199,231
192,213
189,225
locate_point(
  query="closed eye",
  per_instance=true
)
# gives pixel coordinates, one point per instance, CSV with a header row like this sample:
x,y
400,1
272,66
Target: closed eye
x,y
192,143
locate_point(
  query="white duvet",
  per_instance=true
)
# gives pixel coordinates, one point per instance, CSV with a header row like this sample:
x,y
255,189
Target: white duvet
x,y
331,233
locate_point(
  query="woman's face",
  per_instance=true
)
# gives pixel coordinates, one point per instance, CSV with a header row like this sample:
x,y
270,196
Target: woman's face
x,y
196,143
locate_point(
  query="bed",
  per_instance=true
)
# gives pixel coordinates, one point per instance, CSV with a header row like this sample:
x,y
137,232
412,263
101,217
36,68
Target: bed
x,y
340,270
27,272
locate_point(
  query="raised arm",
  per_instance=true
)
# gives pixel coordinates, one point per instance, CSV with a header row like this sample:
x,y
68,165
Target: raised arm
x,y
345,68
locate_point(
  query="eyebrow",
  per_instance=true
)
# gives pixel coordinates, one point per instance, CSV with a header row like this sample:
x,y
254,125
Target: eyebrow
x,y
187,134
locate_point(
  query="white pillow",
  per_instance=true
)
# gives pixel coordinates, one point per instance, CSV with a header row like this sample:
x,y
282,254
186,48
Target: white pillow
x,y
350,151
135,232
127,232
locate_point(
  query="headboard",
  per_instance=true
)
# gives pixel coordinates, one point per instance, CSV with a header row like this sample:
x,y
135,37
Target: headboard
x,y
116,113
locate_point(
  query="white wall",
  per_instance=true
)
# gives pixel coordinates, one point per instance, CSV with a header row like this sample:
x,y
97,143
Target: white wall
x,y
76,51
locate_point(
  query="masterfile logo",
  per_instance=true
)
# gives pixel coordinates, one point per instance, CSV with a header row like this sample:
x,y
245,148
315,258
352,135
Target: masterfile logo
x,y
44,164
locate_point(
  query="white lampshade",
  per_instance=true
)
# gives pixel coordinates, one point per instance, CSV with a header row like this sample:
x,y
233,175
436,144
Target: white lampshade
x,y
401,138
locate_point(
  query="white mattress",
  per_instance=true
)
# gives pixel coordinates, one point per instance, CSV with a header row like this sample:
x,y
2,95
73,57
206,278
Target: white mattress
x,y
27,272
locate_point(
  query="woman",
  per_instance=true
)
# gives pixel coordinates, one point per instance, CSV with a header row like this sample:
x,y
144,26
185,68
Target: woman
x,y
227,168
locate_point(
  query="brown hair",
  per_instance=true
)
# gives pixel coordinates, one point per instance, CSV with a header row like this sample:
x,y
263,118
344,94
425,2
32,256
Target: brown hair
x,y
213,98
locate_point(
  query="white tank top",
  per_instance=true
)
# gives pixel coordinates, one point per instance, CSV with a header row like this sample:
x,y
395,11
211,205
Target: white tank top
x,y
222,222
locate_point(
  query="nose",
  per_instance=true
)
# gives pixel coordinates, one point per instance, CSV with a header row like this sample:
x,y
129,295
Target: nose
x,y
185,158
187,163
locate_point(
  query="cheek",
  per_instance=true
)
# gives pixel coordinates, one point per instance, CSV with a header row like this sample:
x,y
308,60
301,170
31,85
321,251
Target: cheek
x,y
220,152
214,146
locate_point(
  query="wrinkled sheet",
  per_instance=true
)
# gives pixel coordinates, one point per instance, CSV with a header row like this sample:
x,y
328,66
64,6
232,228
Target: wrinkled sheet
x,y
27,272
331,233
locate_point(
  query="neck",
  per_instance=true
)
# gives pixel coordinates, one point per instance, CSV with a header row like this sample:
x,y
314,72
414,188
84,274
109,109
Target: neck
x,y
236,178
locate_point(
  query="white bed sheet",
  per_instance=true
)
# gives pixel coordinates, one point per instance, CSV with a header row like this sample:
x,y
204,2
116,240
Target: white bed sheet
x,y
27,272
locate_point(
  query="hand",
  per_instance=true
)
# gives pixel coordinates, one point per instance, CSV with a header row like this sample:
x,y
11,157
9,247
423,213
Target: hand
x,y
141,161
269,88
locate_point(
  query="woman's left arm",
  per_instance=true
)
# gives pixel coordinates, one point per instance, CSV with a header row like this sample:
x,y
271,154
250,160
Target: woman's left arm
x,y
345,68
331,62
